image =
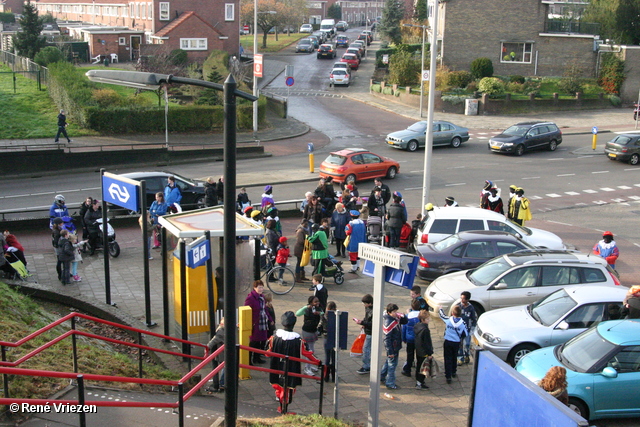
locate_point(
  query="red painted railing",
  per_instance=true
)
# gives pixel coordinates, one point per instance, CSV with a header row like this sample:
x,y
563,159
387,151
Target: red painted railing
x,y
11,368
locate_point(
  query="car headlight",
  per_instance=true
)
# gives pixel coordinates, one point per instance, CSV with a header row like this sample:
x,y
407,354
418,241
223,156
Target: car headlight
x,y
490,338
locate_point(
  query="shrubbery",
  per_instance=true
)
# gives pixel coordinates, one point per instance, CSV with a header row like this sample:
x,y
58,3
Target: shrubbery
x,y
615,100
516,78
459,78
49,55
481,67
491,86
611,74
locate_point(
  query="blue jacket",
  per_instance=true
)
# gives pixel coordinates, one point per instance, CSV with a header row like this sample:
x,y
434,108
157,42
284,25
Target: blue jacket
x,y
172,195
469,316
392,333
340,221
407,330
358,232
455,328
156,210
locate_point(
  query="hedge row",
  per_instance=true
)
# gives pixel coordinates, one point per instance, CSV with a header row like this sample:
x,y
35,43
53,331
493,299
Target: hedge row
x,y
411,48
75,95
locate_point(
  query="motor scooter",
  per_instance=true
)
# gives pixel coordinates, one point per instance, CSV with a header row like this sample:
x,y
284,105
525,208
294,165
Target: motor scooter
x,y
114,247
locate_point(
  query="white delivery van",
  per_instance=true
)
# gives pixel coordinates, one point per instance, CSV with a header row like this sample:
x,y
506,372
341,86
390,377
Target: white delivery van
x,y
329,26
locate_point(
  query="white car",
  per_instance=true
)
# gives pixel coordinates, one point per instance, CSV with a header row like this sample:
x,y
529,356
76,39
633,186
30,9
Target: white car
x,y
306,28
510,333
443,222
519,278
340,76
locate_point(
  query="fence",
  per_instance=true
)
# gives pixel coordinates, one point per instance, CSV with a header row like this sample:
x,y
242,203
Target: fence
x,y
8,369
27,67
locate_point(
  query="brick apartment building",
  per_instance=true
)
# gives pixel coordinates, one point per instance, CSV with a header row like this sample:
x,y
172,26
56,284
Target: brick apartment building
x,y
124,28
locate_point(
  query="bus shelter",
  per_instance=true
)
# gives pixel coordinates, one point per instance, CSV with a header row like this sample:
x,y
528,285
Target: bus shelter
x,y
193,288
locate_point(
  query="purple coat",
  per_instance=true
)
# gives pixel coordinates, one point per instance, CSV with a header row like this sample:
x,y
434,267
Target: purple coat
x,y
256,302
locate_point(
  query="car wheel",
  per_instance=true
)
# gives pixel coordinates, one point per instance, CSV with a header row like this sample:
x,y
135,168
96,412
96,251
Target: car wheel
x,y
350,177
519,351
412,145
634,159
553,145
579,407
479,309
455,142
391,173
519,150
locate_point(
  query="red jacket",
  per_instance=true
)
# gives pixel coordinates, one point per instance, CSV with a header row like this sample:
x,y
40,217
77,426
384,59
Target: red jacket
x,y
283,255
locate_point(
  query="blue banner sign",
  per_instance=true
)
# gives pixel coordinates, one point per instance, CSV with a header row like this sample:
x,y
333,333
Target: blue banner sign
x,y
393,275
121,191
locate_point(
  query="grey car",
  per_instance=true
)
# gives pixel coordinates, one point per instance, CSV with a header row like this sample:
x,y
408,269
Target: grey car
x,y
444,133
527,136
625,148
511,333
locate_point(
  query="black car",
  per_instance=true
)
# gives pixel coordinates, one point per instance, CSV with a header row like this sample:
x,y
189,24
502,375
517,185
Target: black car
x,y
625,148
527,136
321,35
305,45
326,51
342,26
192,190
464,251
342,41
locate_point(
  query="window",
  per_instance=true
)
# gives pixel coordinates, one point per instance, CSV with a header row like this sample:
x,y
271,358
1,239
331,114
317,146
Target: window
x,y
585,316
143,10
592,275
479,250
499,226
627,360
444,226
193,44
506,248
554,276
516,52
229,11
371,158
521,278
150,10
164,11
122,41
471,224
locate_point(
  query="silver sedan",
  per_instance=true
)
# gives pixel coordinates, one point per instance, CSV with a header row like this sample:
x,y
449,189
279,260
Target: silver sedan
x,y
444,133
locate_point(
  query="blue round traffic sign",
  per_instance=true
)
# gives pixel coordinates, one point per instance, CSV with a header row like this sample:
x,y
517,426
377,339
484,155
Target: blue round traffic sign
x,y
289,81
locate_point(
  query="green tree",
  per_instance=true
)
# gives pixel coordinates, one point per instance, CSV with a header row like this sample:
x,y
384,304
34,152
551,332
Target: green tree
x,y
28,40
612,73
49,55
335,12
212,96
391,16
404,68
481,67
618,19
8,18
628,21
420,11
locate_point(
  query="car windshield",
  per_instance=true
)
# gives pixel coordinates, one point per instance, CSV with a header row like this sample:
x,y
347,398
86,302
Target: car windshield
x,y
339,72
488,271
447,242
621,140
516,131
585,350
305,41
551,308
349,57
419,127
335,159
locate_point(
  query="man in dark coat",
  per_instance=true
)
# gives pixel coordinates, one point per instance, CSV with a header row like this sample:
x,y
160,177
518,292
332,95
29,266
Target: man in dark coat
x,y
210,192
385,191
288,343
62,126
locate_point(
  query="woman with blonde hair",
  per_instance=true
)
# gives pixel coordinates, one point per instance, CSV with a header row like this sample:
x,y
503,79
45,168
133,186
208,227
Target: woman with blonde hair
x,y
631,303
555,383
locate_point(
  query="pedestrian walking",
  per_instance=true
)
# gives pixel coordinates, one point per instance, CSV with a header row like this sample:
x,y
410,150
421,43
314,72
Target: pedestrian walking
x,y
520,209
484,194
470,318
216,342
423,345
607,249
319,249
243,200
65,256
158,208
450,202
455,332
210,192
357,232
172,195
220,189
77,257
62,126
408,337
512,194
329,348
259,319
494,201
366,322
391,324
339,220
312,316
282,257
267,197
396,218
298,249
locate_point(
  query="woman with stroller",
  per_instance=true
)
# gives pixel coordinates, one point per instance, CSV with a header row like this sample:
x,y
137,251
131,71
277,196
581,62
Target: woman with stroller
x,y
319,249
14,246
396,216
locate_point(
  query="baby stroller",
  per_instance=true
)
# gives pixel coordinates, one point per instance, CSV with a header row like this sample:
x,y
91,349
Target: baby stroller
x,y
374,229
332,268
16,268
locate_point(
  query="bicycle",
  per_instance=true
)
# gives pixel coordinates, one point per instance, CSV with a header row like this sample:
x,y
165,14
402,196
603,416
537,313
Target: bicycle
x,y
280,280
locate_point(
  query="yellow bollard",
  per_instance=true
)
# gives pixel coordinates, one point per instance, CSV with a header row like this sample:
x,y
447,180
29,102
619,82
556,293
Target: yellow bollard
x,y
311,166
245,326
594,140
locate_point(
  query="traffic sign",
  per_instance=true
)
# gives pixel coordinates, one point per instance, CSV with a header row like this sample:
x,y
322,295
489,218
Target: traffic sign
x,y
257,65
246,28
425,75
198,253
289,81
594,130
120,191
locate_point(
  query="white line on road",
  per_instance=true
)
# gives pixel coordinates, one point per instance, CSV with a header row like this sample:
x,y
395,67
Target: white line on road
x,y
634,169
413,188
532,177
15,195
561,223
624,187
558,158
590,191
456,184
553,195
566,174
607,189
571,193
421,171
600,172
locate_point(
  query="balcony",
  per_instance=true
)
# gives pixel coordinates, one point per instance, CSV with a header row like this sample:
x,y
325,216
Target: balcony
x,y
573,27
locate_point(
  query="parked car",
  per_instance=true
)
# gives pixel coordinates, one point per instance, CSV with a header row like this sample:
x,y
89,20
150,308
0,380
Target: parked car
x,y
443,222
305,45
351,59
444,133
603,369
365,38
527,136
356,164
343,65
243,32
342,26
625,148
519,278
321,35
306,28
359,46
192,190
326,51
354,51
511,333
342,41
340,76
315,40
368,33
465,250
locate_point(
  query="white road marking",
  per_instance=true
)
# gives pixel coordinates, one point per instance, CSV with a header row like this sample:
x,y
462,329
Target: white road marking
x,y
599,202
571,193
600,172
413,188
632,169
561,223
590,191
420,171
566,174
553,195
535,198
607,189
532,177
624,187
618,200
558,158
456,184
634,197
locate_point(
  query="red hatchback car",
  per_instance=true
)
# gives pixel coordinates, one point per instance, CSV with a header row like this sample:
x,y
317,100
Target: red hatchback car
x,y
357,164
351,60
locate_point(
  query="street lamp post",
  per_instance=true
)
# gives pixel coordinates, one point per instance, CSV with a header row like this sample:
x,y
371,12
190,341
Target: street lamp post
x,y
153,81
428,149
424,31
256,92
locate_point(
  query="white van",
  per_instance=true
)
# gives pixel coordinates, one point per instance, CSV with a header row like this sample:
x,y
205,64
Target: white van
x,y
443,222
329,26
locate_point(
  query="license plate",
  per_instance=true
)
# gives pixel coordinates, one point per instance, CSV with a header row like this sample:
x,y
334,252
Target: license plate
x,y
390,142
338,80
613,156
495,147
